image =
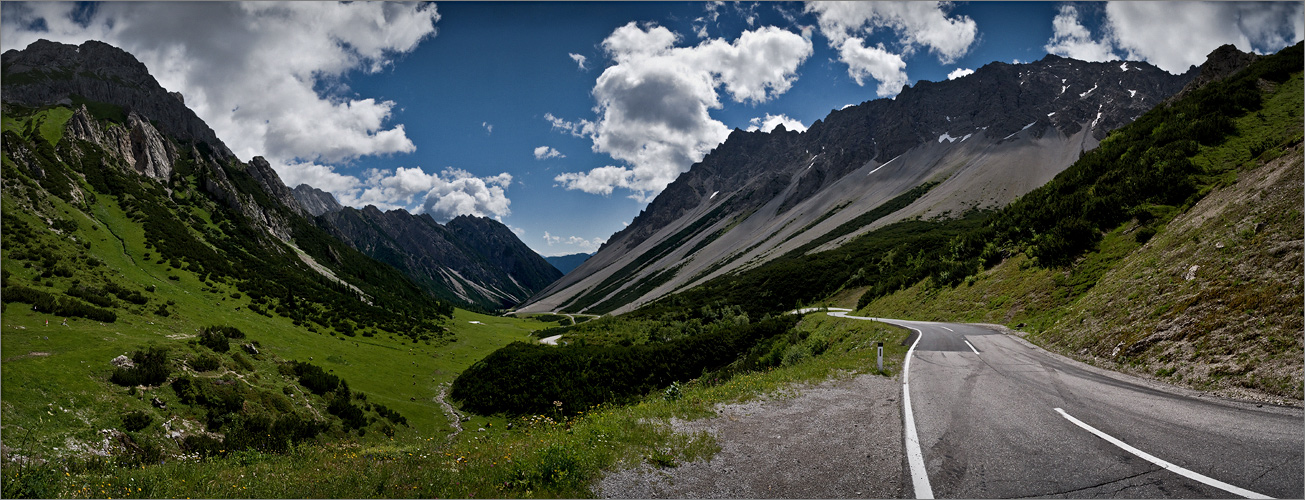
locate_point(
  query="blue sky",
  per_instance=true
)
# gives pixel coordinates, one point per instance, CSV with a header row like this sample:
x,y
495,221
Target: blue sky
x,y
563,120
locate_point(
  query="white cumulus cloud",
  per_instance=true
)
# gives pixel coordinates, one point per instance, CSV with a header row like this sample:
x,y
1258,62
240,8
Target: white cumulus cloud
x,y
885,67
1071,39
1176,35
251,70
489,127
769,122
653,104
445,195
579,59
959,72
585,245
915,24
545,152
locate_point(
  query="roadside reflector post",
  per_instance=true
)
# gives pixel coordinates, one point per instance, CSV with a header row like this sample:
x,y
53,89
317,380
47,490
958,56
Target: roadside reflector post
x,y
881,356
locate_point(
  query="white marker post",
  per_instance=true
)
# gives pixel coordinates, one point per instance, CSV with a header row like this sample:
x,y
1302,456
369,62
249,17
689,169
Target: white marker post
x,y
881,356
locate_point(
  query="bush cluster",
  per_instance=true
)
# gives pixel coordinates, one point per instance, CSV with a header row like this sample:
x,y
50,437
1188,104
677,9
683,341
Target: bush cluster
x,y
317,380
151,367
206,362
216,337
526,378
59,306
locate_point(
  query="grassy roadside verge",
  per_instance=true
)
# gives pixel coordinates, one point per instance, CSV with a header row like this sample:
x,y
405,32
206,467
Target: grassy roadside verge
x,y
537,456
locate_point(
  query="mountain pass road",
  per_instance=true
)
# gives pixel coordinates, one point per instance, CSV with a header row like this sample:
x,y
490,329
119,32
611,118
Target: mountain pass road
x,y
989,415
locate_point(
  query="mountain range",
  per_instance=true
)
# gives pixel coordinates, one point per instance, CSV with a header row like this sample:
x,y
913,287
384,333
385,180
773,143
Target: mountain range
x,y
975,142
474,261
471,261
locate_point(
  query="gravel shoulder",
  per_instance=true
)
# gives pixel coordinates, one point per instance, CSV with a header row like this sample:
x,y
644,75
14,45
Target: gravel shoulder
x,y
839,439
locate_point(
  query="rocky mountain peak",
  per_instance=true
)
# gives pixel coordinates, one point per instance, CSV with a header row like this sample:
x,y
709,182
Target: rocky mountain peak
x,y
315,201
271,183
1219,64
47,73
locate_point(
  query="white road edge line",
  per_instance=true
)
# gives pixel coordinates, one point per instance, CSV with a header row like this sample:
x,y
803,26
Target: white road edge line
x,y
976,351
919,475
1163,464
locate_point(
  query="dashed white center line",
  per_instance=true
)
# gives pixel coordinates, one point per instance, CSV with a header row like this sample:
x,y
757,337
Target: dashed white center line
x,y
945,328
1163,464
976,351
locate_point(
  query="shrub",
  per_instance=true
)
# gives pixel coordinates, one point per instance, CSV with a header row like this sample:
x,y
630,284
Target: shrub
x,y
316,380
1144,235
151,368
243,362
206,362
58,306
230,332
126,294
214,340
390,415
349,413
136,420
219,396
138,451
92,295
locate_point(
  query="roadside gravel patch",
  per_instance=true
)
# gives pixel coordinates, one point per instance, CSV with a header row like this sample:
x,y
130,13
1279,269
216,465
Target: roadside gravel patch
x,y
838,439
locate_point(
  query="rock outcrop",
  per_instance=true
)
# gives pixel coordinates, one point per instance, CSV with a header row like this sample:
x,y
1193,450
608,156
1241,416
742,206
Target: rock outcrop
x,y
315,201
1219,64
271,183
139,144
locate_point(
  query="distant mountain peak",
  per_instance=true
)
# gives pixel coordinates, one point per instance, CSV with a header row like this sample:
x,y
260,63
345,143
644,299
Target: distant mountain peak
x,y
315,201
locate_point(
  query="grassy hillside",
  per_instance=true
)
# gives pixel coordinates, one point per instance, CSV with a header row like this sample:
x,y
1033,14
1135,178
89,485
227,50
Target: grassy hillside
x,y
68,366
238,345
1206,295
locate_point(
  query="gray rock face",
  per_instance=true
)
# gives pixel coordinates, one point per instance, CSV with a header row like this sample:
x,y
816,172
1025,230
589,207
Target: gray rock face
x,y
47,73
271,183
150,154
315,201
139,144
144,148
999,99
992,133
1219,64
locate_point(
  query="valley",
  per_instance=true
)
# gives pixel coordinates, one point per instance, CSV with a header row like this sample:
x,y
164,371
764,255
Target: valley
x,y
1057,300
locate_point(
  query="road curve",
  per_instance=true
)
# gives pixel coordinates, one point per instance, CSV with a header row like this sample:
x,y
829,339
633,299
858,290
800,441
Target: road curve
x,y
998,417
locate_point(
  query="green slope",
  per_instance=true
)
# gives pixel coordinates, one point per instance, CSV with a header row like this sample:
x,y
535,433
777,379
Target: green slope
x,y
128,265
1205,293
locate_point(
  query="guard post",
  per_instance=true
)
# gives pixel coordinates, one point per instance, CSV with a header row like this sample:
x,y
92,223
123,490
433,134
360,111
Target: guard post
x,y
881,357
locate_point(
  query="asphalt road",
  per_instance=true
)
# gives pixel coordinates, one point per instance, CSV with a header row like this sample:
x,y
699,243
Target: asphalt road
x,y
996,417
